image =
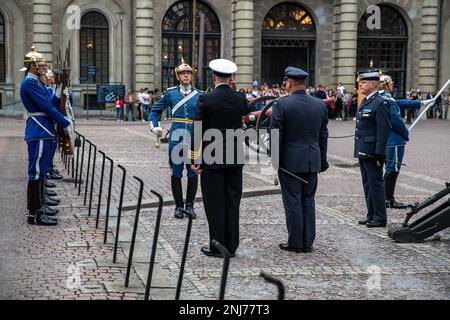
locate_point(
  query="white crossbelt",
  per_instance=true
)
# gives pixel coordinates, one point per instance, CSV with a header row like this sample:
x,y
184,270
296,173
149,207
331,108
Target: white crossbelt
x,y
182,102
36,114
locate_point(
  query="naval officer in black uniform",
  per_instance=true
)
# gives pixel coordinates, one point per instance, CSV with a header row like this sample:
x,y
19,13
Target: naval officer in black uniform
x,y
373,123
221,175
302,123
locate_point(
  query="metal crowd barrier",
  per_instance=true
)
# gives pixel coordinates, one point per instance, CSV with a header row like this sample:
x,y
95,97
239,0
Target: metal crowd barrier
x,y
154,245
270,279
185,250
226,263
133,237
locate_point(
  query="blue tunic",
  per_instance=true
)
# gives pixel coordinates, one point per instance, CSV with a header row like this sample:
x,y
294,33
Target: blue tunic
x,y
182,126
35,99
399,134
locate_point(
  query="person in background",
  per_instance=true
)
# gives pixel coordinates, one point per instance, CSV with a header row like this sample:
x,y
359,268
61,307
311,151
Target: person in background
x,y
130,100
119,107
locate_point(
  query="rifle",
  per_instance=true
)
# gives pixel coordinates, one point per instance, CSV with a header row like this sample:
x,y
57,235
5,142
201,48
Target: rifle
x,y
66,138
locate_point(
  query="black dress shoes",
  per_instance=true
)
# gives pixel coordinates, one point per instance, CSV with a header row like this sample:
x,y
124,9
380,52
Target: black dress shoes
x,y
363,222
49,184
374,224
286,247
208,252
51,202
179,214
50,193
393,204
308,250
49,211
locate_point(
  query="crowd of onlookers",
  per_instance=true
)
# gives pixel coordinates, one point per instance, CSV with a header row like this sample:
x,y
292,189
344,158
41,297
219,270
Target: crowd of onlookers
x,y
341,103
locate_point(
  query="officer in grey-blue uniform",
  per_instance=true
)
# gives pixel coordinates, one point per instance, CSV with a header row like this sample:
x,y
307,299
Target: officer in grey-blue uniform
x,y
302,123
182,99
373,124
39,133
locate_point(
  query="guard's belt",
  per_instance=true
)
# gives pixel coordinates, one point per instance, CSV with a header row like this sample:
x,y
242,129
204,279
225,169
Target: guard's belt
x,y
35,114
181,120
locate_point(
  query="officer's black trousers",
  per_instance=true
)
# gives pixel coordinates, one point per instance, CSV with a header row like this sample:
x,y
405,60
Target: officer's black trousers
x,y
222,192
300,208
373,183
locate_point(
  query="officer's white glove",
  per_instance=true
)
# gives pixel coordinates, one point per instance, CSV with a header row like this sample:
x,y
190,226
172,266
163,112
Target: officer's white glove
x,y
157,130
58,92
66,92
425,103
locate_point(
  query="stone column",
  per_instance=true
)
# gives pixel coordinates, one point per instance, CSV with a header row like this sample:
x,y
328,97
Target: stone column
x,y
144,44
42,28
243,40
428,46
347,41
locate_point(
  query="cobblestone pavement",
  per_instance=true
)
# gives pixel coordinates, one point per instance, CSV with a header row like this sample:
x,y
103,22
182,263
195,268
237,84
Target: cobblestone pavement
x,y
64,262
349,262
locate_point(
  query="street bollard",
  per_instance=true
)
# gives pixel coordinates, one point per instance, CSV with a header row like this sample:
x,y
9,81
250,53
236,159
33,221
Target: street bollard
x,y
155,244
185,250
133,237
108,205
119,213
100,191
226,263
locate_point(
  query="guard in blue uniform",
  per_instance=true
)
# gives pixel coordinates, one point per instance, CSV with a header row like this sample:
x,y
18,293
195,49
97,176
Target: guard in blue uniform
x,y
182,99
373,124
39,133
302,121
398,137
49,82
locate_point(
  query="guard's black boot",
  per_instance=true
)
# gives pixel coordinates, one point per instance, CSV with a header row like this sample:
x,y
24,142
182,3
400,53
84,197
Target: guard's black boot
x,y
390,180
49,211
177,192
50,193
55,175
46,200
33,200
44,220
192,187
49,184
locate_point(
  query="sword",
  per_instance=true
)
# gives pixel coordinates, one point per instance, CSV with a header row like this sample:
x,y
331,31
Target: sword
x,y
390,161
431,104
293,175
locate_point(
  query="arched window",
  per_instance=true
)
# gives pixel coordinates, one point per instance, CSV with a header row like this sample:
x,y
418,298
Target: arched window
x,y
94,48
288,31
2,49
177,41
386,47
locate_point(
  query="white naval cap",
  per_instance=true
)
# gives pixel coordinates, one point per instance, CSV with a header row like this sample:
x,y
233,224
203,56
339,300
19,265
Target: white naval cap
x,y
223,67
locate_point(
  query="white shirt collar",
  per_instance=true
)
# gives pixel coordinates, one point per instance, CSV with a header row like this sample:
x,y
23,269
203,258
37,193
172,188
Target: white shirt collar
x,y
371,95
